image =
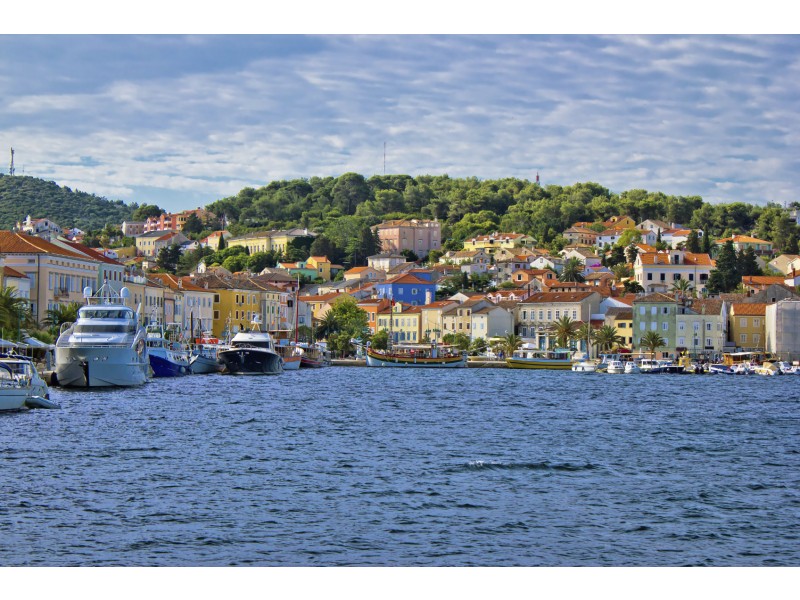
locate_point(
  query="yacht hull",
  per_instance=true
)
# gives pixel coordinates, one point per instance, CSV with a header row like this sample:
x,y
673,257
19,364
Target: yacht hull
x,y
250,361
100,367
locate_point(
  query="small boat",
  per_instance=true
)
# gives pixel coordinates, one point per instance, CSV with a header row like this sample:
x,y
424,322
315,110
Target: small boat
x,y
13,392
788,369
632,367
168,356
105,346
525,358
615,366
203,360
417,355
584,366
25,371
650,366
767,368
251,353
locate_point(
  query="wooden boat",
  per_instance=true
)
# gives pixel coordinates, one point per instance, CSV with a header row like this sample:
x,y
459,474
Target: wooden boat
x,y
540,359
417,355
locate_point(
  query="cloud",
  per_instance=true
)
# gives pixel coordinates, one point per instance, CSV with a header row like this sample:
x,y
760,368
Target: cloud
x,y
695,115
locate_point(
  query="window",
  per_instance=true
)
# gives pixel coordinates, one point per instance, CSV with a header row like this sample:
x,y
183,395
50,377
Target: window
x,y
742,322
549,315
681,326
708,326
756,322
665,310
682,341
216,315
743,338
649,277
524,315
663,277
691,276
653,326
676,276
653,310
540,315
641,310
574,314
642,325
756,339
665,326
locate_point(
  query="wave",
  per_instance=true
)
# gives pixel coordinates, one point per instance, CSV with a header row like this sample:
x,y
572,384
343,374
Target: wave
x,y
479,465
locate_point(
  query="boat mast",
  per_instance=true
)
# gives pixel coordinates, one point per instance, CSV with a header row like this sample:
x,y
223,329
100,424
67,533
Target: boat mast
x,y
296,309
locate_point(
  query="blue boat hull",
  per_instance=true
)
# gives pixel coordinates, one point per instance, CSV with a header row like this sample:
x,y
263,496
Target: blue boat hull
x,y
166,368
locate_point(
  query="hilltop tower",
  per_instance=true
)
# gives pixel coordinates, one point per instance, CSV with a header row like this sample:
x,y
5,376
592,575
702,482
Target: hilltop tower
x,y
11,168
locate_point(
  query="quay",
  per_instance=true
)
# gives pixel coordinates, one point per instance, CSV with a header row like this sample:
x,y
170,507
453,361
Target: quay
x,y
477,362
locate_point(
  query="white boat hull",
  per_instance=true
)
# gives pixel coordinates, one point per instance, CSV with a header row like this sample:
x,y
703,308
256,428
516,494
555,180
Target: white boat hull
x,y
12,397
100,366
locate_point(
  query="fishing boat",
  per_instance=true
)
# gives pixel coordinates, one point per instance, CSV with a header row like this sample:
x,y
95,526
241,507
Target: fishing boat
x,y
168,356
105,346
251,353
526,358
417,355
203,358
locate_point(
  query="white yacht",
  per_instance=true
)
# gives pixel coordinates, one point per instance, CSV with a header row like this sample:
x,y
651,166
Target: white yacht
x,y
26,372
105,346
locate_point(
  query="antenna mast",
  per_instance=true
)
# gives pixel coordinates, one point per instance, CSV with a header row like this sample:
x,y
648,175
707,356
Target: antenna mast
x,y
11,169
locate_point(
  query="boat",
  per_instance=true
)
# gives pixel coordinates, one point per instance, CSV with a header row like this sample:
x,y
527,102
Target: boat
x,y
650,365
291,356
788,369
251,353
314,357
417,355
24,369
632,366
203,358
168,356
768,368
13,392
584,366
526,358
106,344
615,366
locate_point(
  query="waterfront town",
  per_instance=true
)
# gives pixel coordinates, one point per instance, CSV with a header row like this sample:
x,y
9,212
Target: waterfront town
x,y
526,290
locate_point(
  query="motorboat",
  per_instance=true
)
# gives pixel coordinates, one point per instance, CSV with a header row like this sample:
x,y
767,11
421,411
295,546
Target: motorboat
x,y
615,366
650,365
251,353
168,356
105,346
767,368
26,372
13,392
584,366
203,359
632,367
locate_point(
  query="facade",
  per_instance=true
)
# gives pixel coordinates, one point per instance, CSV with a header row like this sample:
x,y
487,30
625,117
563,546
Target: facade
x,y
194,305
385,262
43,228
656,312
742,242
701,328
419,236
495,241
431,319
581,235
268,241
405,323
458,318
151,243
174,221
491,322
621,318
658,271
364,274
747,325
407,288
132,228
782,323
537,314
480,257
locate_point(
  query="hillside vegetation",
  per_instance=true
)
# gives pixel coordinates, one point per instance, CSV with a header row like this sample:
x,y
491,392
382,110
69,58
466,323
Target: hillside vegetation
x,y
21,196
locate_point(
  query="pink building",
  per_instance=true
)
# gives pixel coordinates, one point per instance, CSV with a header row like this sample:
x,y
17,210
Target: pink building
x,y
416,235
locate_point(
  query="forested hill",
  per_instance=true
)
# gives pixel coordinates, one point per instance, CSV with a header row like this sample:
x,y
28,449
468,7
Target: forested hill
x,y
21,196
341,206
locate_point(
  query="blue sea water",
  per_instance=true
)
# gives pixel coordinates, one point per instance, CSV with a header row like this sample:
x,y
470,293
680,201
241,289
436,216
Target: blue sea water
x,y
358,467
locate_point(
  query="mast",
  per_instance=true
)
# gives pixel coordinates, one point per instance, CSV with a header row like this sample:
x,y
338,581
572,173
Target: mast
x,y
296,309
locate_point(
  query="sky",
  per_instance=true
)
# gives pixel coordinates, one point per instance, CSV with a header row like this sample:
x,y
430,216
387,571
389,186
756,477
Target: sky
x,y
183,120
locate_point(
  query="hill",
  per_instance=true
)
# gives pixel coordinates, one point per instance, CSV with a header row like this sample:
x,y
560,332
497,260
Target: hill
x,y
23,196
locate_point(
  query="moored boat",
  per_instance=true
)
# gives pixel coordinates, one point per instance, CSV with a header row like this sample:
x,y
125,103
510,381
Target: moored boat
x,y
615,366
584,366
251,353
168,356
417,355
13,393
105,346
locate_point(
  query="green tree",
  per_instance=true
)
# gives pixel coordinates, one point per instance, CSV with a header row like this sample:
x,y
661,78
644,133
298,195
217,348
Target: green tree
x,y
747,264
508,345
168,257
478,346
631,252
652,341
145,211
61,313
607,338
380,341
693,242
633,287
14,311
572,271
193,225
344,318
683,287
350,190
459,340
725,277
628,237
564,330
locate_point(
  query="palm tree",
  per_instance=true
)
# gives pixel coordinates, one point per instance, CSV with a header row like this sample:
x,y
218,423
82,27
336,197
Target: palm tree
x,y
508,344
682,287
13,310
326,325
61,313
564,330
652,340
607,337
572,271
586,332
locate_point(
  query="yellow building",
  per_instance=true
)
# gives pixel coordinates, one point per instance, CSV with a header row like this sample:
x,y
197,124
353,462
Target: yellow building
x,y
321,265
405,323
621,318
236,302
432,324
747,325
496,241
266,241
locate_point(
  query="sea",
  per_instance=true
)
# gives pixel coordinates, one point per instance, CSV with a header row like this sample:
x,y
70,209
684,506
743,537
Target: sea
x,y
355,466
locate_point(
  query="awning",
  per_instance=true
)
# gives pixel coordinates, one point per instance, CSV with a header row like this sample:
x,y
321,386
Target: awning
x,y
34,343
7,344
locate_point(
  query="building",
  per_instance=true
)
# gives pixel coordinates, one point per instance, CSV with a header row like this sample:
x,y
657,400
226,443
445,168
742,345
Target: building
x,y
701,328
538,313
43,228
132,228
417,235
366,274
269,241
658,271
151,243
495,241
385,262
781,325
581,235
194,304
742,242
407,288
656,312
747,325
175,221
431,320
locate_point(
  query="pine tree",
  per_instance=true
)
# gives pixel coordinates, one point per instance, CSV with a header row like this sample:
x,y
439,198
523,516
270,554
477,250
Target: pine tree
x,y
725,277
